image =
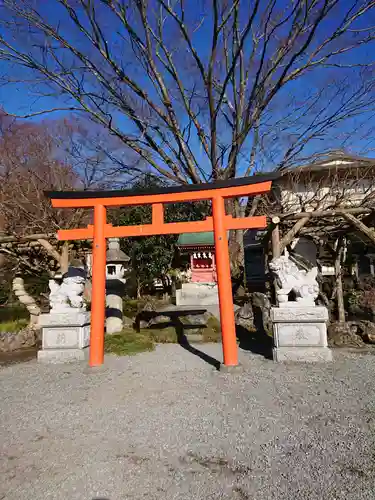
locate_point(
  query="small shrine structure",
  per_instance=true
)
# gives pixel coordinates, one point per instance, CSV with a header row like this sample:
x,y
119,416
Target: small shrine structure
x,y
200,287
200,248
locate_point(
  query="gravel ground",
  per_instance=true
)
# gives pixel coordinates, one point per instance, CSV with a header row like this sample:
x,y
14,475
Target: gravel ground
x,y
166,425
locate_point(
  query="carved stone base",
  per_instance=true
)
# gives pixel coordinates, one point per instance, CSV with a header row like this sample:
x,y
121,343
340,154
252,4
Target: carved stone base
x,y
302,354
65,336
63,355
299,314
300,333
197,294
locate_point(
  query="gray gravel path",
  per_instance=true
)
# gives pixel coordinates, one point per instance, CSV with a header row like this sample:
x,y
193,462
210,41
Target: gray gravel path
x,y
165,425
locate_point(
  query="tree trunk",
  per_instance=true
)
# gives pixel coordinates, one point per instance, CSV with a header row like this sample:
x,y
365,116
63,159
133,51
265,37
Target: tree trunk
x,y
338,276
2,227
18,287
64,258
165,283
368,231
240,212
275,239
173,286
292,233
235,240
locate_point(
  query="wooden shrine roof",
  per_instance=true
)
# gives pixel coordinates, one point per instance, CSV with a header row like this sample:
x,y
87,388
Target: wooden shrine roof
x,y
196,239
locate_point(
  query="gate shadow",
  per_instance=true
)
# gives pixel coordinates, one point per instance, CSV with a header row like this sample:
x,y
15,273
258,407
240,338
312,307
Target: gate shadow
x,y
180,328
256,341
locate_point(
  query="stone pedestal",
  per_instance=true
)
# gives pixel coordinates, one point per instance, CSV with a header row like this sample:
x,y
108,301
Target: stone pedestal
x,y
300,333
197,294
66,336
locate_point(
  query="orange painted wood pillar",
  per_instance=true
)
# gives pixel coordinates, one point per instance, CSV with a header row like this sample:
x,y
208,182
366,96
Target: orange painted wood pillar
x,y
98,288
228,328
157,214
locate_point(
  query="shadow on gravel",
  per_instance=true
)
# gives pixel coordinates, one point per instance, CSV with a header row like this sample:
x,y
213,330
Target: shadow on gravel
x,y
20,356
184,343
257,342
173,315
180,328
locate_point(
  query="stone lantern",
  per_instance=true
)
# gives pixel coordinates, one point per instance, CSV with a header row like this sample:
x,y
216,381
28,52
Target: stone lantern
x,y
116,266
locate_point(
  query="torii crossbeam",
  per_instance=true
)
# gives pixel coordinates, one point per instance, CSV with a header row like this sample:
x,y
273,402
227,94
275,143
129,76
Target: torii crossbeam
x,y
220,223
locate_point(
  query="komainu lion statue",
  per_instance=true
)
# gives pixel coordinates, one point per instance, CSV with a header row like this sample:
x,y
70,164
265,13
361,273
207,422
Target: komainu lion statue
x,y
302,283
68,295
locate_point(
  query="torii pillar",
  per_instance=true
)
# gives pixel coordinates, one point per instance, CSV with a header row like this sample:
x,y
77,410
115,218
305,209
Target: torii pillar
x,y
219,223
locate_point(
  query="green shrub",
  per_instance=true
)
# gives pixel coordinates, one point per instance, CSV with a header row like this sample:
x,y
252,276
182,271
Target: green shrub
x,y
13,313
131,307
13,326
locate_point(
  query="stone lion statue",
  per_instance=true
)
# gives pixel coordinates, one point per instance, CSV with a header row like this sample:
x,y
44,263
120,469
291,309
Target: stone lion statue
x,y
303,283
67,295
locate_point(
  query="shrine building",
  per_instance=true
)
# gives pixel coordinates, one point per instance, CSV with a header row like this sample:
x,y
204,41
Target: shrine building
x,y
201,287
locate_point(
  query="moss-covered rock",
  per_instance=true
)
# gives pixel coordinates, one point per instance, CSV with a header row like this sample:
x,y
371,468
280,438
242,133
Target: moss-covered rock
x,y
343,335
15,335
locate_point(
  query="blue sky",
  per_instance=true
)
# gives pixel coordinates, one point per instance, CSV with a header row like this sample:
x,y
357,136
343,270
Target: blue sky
x,y
23,98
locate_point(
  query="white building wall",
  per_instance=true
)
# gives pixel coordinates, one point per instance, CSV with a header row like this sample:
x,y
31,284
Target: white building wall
x,y
307,197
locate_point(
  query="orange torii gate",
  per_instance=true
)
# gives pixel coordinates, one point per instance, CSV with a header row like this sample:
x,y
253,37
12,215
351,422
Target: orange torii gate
x,y
219,223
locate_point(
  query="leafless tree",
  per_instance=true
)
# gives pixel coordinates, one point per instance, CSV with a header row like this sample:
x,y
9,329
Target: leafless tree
x,y
99,159
322,198
29,165
336,116
197,93
327,201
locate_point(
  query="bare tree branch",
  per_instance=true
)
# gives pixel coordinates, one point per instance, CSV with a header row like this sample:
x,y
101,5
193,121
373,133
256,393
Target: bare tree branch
x,y
167,82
